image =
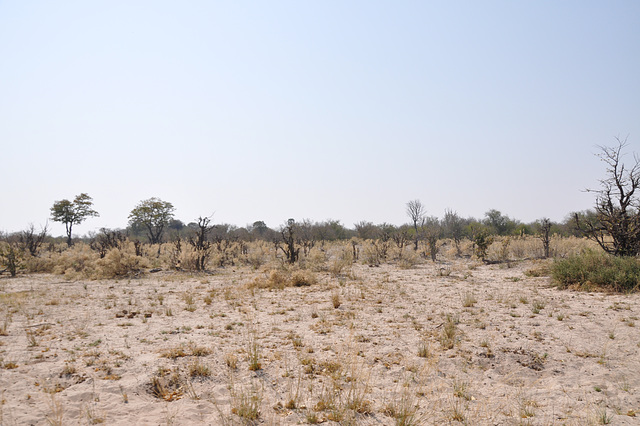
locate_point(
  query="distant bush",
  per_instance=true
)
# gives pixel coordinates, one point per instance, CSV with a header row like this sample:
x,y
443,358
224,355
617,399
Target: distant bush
x,y
593,270
120,263
284,277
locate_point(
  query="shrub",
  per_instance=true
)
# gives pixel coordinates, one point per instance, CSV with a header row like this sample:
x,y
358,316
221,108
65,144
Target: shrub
x,y
591,269
281,278
10,258
120,263
341,262
75,262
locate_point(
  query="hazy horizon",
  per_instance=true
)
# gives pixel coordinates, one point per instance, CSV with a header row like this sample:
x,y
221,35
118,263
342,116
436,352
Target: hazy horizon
x,y
319,110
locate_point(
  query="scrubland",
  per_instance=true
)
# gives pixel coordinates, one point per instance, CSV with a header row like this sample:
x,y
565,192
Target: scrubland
x,y
354,333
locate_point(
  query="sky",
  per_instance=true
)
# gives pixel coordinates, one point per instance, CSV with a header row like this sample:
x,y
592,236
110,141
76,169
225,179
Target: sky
x,y
341,110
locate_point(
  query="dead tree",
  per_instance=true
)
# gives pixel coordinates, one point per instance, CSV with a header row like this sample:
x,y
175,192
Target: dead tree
x,y
201,244
32,240
288,234
616,227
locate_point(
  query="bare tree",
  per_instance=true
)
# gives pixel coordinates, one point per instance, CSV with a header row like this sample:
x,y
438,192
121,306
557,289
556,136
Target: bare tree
x,y
200,242
288,234
401,236
108,239
32,240
616,227
416,212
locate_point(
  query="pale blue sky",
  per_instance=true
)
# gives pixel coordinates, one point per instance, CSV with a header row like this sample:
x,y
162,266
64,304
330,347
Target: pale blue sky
x,y
312,109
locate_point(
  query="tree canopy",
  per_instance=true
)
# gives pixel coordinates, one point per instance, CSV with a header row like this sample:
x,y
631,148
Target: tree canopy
x,y
154,215
73,212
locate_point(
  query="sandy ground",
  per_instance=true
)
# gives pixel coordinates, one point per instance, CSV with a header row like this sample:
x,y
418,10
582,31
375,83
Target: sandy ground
x,y
447,343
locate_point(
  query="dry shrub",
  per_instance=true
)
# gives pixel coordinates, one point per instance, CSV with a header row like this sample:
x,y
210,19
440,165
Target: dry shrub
x,y
302,278
120,263
316,260
188,258
530,247
78,261
409,258
281,278
466,248
499,250
526,248
257,254
341,262
570,246
168,388
375,252
39,264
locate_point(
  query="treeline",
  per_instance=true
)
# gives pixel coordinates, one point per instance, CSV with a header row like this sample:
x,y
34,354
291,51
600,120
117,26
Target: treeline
x,y
153,233
451,225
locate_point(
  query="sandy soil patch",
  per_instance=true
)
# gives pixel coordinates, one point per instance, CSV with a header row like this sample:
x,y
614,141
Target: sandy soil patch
x,y
454,342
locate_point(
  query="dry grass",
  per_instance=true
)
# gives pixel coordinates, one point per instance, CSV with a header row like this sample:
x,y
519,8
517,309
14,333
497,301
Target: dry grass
x,y
358,345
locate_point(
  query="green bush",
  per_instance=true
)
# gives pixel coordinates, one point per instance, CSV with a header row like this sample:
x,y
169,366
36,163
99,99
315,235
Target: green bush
x,y
591,270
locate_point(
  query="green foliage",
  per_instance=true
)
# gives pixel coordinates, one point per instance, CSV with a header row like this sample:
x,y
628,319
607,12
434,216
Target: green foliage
x,y
432,231
591,269
10,258
154,215
498,223
73,212
482,241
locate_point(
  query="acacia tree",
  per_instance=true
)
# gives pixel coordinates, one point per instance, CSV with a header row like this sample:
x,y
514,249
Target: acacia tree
x,y
73,212
416,212
154,215
616,226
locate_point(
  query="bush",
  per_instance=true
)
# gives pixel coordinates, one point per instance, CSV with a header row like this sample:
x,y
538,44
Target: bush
x,y
10,258
596,270
284,277
120,263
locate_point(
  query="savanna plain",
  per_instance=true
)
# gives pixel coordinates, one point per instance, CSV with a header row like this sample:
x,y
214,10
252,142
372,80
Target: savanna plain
x,y
341,337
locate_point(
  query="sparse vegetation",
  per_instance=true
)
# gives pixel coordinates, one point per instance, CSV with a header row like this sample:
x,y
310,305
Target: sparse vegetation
x,y
330,333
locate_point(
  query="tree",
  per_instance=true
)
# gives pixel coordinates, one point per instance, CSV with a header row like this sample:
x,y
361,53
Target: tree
x,y
616,225
500,224
73,212
32,240
154,215
288,234
365,230
453,228
416,212
544,228
260,228
200,242
432,230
